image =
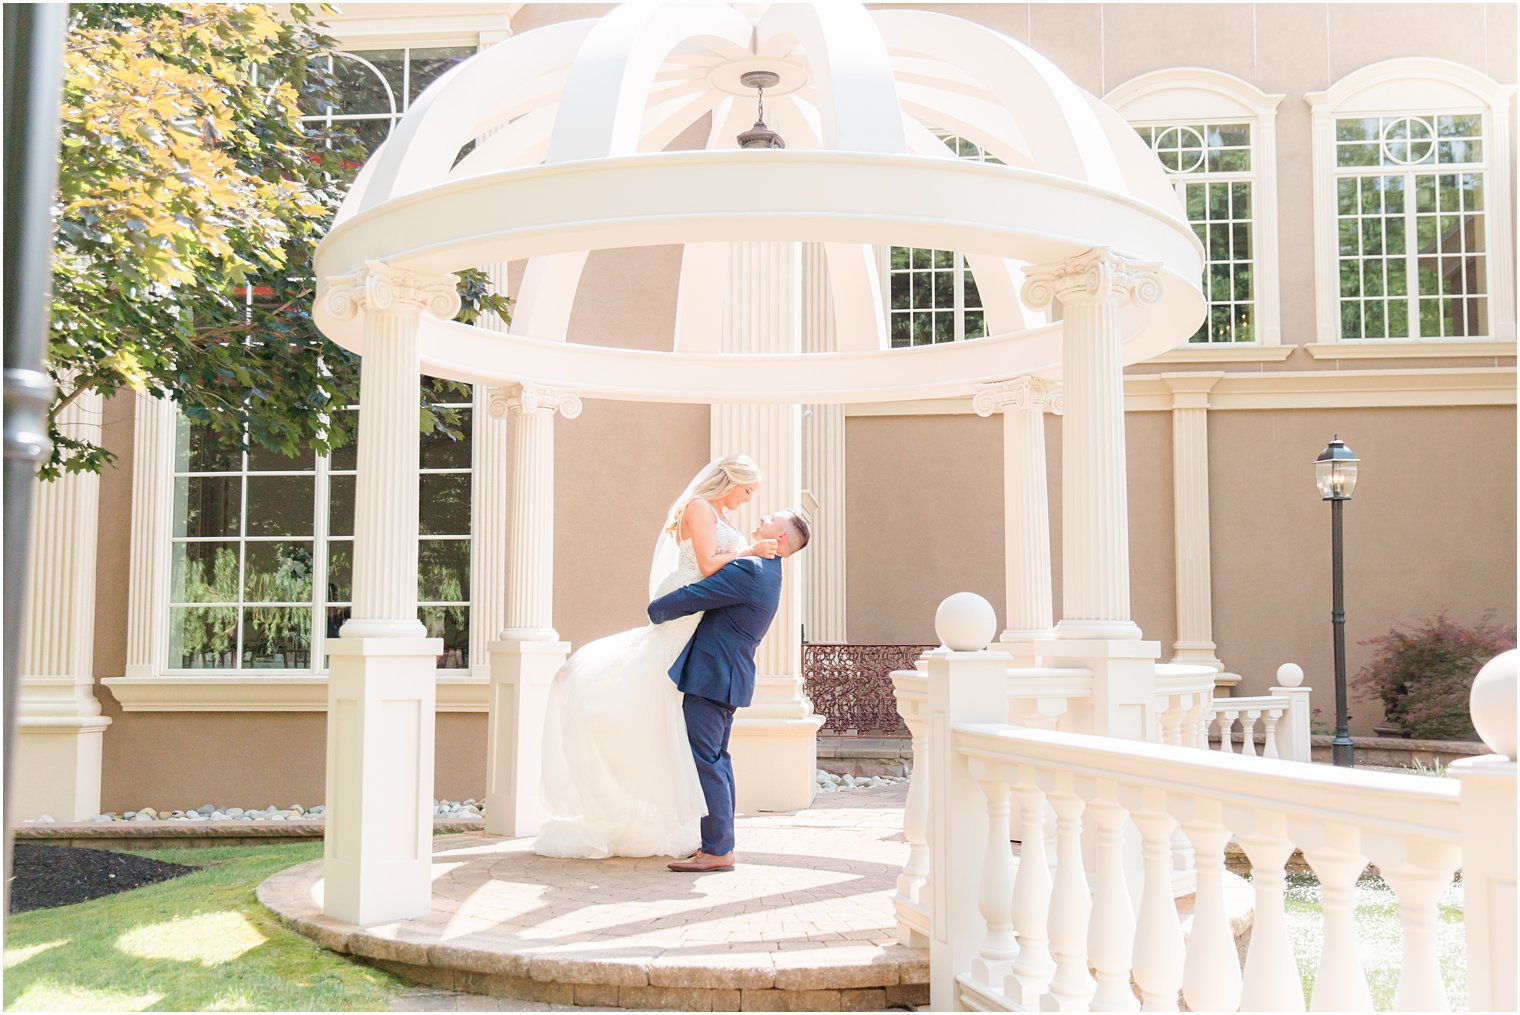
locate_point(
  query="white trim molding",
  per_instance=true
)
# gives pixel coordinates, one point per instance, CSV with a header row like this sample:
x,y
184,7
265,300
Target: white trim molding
x,y
457,692
1284,389
1197,94
1434,348
1413,86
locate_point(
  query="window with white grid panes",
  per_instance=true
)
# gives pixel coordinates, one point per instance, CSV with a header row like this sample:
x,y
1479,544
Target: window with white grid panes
x,y
443,531
1410,226
932,294
242,556
1211,166
374,88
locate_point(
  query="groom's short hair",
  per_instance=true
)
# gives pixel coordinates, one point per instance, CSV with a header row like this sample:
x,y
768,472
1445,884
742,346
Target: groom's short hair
x,y
801,532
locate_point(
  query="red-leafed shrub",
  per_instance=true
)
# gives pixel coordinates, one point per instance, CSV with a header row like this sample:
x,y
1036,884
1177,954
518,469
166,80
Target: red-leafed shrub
x,y
1424,675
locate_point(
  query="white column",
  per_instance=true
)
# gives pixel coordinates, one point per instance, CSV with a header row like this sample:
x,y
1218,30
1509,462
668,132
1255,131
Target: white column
x,y
1487,818
1094,501
490,511
1095,629
59,725
153,436
1190,516
528,652
824,477
1026,504
382,684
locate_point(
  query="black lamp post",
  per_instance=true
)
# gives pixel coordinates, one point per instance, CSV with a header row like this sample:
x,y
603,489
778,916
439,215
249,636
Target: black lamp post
x,y
1335,474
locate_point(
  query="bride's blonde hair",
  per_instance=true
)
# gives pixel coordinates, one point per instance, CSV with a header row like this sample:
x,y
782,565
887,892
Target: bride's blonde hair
x,y
715,481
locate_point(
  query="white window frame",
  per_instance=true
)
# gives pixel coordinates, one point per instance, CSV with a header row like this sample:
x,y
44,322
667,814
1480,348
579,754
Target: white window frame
x,y
1414,86
1186,95
147,685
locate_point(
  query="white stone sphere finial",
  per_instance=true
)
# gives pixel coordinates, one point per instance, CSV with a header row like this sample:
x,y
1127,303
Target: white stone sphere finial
x,y
1290,675
965,622
1492,702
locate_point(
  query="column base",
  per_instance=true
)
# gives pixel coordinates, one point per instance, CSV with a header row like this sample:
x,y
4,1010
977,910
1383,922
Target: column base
x,y
358,627
775,762
1123,700
1097,630
521,671
378,856
57,766
1031,634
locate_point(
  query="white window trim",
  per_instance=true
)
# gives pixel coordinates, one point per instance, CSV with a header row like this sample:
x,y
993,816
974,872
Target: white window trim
x,y
1196,94
1415,85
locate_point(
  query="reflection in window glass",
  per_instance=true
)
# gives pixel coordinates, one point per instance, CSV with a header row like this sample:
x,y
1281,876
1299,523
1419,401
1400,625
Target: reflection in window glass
x,y
1410,226
1210,164
931,294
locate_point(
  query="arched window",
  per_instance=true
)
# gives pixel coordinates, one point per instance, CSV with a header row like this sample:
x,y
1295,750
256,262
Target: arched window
x,y
1216,137
1411,205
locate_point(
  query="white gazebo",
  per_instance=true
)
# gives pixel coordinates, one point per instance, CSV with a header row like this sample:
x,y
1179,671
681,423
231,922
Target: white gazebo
x,y
1083,257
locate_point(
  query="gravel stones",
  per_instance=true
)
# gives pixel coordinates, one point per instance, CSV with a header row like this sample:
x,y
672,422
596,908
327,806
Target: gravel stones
x,y
828,782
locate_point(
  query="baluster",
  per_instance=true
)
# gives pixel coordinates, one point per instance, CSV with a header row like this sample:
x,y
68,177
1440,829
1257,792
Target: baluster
x,y
1195,721
1227,730
1248,727
1205,721
1071,986
1111,931
1211,972
1158,954
995,898
1340,984
1270,744
1272,981
1171,720
1031,897
913,882
1419,882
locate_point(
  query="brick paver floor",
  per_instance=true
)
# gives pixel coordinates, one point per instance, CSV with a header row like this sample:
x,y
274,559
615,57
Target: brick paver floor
x,y
808,908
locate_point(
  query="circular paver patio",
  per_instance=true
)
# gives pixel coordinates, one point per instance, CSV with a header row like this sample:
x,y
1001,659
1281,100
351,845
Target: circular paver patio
x,y
805,921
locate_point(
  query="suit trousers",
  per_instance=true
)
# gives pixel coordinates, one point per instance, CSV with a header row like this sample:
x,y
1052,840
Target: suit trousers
x,y
708,724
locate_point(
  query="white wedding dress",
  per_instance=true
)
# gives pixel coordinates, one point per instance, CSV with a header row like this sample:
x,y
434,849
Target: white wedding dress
x,y
618,776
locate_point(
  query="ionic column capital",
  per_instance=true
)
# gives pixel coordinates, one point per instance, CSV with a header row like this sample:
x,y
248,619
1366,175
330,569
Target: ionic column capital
x,y
1019,393
378,286
530,398
1094,275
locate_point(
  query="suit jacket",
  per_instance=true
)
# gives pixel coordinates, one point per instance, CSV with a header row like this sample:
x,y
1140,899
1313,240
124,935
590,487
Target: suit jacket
x,y
739,600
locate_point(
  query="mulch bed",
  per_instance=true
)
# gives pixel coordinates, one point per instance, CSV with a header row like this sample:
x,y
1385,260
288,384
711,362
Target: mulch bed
x,y
47,876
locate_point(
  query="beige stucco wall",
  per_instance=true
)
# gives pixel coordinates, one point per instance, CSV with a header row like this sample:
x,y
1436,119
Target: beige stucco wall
x,y
924,492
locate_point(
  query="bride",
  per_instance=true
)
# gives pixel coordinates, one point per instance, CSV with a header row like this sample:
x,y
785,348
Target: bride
x,y
618,775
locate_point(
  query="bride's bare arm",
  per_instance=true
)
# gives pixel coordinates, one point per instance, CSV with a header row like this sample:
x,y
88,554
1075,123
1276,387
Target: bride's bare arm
x,y
701,524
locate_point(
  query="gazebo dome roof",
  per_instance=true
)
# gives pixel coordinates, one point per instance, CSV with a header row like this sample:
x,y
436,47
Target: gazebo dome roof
x,y
554,143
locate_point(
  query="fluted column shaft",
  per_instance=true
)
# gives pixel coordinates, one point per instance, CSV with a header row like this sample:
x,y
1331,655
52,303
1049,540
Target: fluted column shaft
x,y
1190,507
152,515
1026,504
490,520
1094,500
385,497
824,476
530,543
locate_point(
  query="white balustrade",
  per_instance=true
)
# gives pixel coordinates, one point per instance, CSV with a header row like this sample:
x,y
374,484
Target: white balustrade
x,y
1416,831
1275,715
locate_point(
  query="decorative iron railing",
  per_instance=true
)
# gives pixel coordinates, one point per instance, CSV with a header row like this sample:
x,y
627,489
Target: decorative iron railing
x,y
851,686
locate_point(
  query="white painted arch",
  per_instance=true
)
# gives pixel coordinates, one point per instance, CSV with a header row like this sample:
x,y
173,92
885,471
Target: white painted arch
x,y
569,124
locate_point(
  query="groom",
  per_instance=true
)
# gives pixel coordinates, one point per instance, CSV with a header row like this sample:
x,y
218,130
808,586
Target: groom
x,y
716,670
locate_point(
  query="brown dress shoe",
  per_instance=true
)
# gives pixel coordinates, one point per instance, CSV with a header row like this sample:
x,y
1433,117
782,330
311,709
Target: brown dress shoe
x,y
700,863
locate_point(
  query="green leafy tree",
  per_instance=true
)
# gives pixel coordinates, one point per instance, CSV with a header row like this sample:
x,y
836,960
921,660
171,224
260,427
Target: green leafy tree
x,y
191,198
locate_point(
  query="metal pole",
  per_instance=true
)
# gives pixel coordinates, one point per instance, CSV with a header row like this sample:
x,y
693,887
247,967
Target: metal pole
x,y
1341,749
34,40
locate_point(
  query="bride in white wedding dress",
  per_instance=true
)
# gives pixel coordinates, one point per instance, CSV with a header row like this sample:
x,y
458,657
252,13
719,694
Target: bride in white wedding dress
x,y
618,774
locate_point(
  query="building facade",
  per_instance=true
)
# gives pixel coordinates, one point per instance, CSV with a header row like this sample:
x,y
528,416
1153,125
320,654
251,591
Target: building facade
x,y
1349,169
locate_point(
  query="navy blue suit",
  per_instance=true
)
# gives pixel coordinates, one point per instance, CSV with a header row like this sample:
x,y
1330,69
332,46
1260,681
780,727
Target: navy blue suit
x,y
716,672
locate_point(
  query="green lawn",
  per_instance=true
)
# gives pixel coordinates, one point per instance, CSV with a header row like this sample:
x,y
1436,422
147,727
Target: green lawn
x,y
196,943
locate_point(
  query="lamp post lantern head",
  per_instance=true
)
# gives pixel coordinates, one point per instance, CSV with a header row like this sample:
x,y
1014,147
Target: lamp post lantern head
x,y
760,136
1335,471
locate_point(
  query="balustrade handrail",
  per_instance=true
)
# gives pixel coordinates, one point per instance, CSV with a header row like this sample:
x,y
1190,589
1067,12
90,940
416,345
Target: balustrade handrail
x,y
1258,701
1387,801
